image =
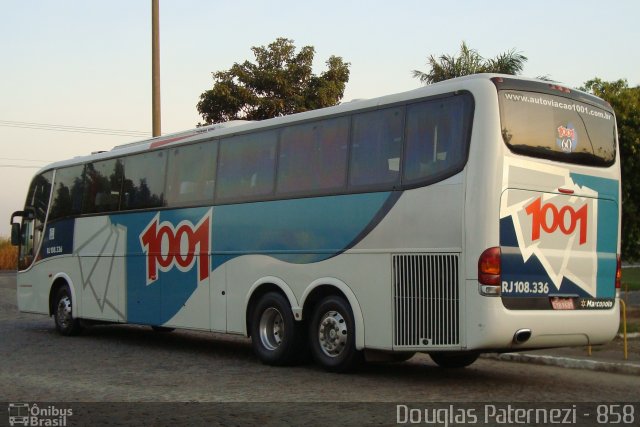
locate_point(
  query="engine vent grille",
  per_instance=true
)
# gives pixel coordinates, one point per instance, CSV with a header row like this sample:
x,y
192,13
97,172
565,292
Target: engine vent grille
x,y
426,300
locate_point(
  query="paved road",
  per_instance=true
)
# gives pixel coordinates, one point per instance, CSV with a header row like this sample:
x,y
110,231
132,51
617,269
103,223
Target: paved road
x,y
135,364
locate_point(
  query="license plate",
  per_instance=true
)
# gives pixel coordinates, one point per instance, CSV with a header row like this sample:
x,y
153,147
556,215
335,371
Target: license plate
x,y
562,303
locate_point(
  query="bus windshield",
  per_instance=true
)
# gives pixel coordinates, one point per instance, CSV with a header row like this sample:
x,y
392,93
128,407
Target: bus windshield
x,y
557,128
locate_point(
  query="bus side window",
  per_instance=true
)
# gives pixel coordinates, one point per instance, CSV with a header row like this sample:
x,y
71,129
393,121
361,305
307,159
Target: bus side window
x,y
143,185
296,167
103,181
68,192
376,144
313,157
191,174
435,139
247,167
422,137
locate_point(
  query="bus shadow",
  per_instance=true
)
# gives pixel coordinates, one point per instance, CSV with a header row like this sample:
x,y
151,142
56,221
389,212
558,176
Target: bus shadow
x,y
180,341
417,371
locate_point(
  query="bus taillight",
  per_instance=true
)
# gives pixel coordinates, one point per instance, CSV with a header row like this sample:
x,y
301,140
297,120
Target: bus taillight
x,y
618,273
489,271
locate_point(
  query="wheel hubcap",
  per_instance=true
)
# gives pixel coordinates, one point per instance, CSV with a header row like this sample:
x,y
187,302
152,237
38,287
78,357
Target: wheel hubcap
x,y
63,314
333,334
271,328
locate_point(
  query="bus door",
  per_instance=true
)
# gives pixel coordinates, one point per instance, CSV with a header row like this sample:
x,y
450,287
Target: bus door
x,y
30,232
169,268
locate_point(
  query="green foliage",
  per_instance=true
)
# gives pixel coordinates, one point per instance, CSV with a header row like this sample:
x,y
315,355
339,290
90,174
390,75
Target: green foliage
x,y
469,62
626,104
631,278
279,82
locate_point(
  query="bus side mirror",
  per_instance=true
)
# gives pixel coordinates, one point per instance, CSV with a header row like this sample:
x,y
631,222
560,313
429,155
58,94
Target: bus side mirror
x,y
15,228
15,233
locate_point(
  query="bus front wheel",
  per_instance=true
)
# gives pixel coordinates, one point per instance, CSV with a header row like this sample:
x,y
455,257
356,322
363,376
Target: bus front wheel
x,y
276,337
332,335
66,324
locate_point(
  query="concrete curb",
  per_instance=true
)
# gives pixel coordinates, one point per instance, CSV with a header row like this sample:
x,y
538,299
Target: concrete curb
x,y
567,362
631,335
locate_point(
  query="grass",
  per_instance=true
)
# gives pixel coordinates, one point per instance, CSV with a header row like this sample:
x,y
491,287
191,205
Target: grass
x,y
8,255
631,278
631,281
632,326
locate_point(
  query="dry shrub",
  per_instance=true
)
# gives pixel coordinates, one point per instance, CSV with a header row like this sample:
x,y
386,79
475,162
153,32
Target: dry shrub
x,y
8,255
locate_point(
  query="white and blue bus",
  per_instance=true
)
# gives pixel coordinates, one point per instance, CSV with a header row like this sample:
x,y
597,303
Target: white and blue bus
x,y
479,214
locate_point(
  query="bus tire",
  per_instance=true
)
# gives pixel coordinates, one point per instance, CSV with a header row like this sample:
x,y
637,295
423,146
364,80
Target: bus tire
x,y
454,360
66,324
276,337
332,335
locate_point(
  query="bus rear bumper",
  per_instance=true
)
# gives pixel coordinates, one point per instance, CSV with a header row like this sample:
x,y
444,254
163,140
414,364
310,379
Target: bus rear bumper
x,y
497,328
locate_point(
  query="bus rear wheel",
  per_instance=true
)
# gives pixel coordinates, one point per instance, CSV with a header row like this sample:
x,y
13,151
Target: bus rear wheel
x,y
332,335
454,360
276,337
66,324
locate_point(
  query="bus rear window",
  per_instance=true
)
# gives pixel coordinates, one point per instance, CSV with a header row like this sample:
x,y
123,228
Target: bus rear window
x,y
557,128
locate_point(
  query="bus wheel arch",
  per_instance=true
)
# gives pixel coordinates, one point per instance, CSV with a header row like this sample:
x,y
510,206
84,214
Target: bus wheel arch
x,y
61,280
331,319
262,287
62,305
277,337
322,288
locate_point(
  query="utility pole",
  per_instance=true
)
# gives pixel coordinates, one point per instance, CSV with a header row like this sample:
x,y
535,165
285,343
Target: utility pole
x,y
155,66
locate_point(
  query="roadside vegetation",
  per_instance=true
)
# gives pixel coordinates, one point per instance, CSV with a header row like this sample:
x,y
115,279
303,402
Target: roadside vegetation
x,y
631,282
631,278
633,321
8,255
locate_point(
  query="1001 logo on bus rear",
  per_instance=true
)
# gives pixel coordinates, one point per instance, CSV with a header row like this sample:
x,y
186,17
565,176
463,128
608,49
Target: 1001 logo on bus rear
x,y
167,246
548,218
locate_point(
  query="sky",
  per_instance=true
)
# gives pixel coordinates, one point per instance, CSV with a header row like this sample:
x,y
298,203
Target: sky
x,y
87,64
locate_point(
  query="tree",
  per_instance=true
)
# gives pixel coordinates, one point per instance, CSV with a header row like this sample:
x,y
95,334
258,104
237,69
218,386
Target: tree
x,y
469,62
279,82
626,104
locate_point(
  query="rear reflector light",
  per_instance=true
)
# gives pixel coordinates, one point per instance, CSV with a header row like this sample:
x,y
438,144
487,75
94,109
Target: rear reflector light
x,y
489,267
560,88
565,190
618,273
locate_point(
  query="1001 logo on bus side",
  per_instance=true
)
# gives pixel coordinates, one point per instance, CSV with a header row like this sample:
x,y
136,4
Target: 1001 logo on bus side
x,y
167,246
